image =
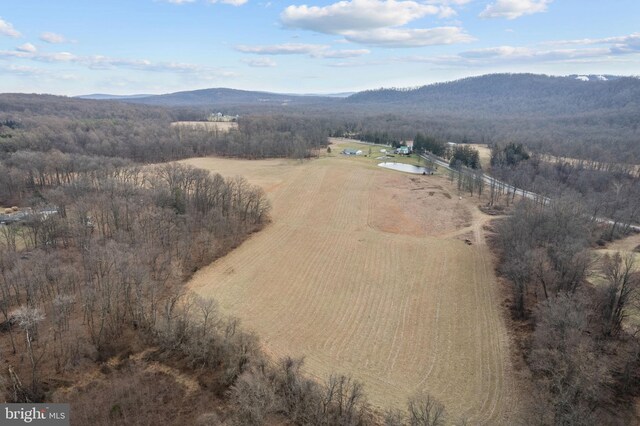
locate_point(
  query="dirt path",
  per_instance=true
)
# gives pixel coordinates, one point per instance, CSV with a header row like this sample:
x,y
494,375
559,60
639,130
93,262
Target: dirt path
x,y
361,272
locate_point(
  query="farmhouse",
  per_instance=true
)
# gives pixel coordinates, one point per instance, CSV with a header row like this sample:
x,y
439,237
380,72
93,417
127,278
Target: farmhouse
x,y
349,151
403,150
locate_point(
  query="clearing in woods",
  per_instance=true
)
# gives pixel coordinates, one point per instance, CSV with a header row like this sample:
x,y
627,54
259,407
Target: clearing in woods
x,y
485,154
365,271
212,126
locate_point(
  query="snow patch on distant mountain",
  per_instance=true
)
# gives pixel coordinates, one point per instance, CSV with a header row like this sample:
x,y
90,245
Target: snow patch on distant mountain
x,y
582,78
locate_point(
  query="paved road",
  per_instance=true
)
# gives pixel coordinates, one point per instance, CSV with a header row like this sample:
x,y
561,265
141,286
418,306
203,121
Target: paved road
x,y
490,180
510,189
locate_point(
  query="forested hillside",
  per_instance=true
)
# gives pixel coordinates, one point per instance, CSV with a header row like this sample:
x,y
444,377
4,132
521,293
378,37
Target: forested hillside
x,y
512,95
144,133
228,97
563,116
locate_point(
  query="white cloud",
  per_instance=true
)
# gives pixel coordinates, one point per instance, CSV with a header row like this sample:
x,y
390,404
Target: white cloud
x,y
406,37
58,57
260,62
448,2
630,40
354,64
512,9
99,62
342,54
282,49
231,2
53,38
585,50
7,29
378,22
447,12
355,15
22,70
27,47
313,50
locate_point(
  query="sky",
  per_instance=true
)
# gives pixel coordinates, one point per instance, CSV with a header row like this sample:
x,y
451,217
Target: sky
x,y
301,46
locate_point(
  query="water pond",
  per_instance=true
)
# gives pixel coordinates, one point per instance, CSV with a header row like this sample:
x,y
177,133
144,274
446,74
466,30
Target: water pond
x,y
407,168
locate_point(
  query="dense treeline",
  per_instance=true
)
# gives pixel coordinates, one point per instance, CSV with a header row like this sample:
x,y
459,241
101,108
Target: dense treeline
x,y
579,345
422,143
610,192
464,155
509,155
122,242
584,362
144,134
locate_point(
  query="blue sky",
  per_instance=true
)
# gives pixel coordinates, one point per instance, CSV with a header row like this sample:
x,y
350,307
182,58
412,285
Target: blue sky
x,y
298,46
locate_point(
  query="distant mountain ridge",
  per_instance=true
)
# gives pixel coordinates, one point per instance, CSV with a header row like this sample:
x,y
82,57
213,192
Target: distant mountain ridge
x,y
227,97
105,96
509,94
492,95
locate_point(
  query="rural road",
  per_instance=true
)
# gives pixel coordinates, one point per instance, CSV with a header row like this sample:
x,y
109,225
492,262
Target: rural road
x,y
511,189
490,180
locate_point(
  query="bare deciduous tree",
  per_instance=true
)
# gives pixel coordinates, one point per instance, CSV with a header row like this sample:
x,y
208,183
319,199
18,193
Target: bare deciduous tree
x,y
425,410
622,286
28,320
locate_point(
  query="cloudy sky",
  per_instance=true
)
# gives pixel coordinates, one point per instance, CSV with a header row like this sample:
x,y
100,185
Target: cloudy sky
x,y
298,46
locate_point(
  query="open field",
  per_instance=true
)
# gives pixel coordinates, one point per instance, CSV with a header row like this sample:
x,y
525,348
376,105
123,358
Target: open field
x,y
365,271
212,126
338,144
485,154
483,150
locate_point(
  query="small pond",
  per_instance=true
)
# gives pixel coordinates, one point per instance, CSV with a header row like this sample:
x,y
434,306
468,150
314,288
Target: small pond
x,y
408,168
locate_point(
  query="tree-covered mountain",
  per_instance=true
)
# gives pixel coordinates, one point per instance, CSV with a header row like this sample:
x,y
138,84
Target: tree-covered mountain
x,y
221,97
106,96
504,95
509,95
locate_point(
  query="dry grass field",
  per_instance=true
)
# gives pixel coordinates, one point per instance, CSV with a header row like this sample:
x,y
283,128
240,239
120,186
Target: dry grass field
x,y
365,271
212,126
485,154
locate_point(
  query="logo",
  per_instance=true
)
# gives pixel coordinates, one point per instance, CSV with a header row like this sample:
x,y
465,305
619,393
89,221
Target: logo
x,y
34,414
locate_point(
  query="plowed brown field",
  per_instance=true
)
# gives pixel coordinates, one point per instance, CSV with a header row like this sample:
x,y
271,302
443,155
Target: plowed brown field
x,y
364,271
